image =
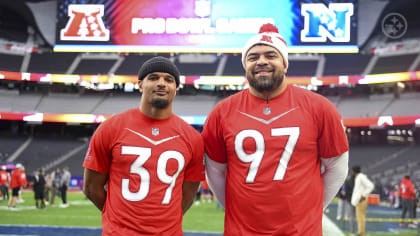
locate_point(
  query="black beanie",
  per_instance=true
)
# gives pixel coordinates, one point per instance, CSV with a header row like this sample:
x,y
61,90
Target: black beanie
x,y
159,64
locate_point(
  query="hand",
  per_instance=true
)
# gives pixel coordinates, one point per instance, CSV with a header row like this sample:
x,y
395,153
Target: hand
x,y
362,199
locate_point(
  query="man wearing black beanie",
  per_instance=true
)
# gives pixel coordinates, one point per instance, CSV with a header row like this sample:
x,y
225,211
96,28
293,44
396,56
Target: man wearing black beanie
x,y
160,64
152,68
150,159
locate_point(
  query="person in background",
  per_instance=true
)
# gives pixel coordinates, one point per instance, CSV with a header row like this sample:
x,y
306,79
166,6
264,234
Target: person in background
x,y
23,176
48,188
362,188
396,196
4,182
417,203
56,181
341,211
18,180
150,159
198,195
350,209
64,185
265,147
408,195
39,189
206,193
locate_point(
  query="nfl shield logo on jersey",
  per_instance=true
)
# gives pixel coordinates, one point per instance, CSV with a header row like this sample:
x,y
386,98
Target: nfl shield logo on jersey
x,y
155,131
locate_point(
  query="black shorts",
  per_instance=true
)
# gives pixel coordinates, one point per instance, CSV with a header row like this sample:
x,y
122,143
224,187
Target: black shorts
x,y
39,195
15,192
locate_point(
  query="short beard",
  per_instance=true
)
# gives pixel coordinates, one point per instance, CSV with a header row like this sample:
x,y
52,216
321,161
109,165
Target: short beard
x,y
265,84
159,103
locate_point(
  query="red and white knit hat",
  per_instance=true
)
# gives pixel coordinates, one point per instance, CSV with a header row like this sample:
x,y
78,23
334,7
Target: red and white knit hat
x,y
268,35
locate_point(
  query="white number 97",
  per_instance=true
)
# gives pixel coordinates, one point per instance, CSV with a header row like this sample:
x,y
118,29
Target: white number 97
x,y
256,157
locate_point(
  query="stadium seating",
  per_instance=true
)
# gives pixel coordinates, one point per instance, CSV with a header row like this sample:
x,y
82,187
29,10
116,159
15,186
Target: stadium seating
x,y
113,104
367,106
345,64
389,163
407,104
7,97
54,63
198,105
388,65
75,162
68,103
131,64
43,151
10,62
8,145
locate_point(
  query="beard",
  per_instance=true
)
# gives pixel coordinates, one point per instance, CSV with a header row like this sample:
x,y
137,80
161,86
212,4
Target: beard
x,y
160,103
265,83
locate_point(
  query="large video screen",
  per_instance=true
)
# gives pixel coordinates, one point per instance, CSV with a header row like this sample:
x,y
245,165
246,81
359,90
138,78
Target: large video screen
x,y
203,25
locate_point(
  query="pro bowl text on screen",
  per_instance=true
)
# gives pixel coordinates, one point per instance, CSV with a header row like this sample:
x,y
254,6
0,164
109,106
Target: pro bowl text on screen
x,y
204,25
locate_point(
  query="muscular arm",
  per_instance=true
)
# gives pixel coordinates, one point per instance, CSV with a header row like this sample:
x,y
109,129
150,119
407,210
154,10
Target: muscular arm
x,y
189,190
335,174
216,178
93,187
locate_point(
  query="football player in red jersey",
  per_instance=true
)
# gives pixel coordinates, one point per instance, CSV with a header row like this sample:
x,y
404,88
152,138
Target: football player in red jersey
x,y
4,182
17,181
265,147
144,165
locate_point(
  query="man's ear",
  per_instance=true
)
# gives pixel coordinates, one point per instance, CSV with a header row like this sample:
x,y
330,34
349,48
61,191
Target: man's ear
x,y
285,68
140,83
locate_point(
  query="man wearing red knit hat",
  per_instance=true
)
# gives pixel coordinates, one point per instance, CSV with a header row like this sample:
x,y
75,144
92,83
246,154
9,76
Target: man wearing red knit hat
x,y
265,147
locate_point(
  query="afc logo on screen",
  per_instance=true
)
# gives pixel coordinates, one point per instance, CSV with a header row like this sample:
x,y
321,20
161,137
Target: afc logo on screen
x,y
321,22
85,23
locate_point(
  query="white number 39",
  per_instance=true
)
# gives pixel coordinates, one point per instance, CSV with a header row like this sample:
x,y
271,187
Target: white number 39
x,y
256,157
138,169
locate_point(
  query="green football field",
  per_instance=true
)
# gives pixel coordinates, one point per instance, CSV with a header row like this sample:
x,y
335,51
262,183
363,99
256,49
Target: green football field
x,y
205,217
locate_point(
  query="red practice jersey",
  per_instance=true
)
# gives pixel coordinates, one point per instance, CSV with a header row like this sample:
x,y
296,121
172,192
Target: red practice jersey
x,y
147,161
18,179
272,150
407,189
23,179
4,178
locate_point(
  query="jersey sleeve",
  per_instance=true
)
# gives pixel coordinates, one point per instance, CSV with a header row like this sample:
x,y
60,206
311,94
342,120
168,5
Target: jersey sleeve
x,y
214,145
332,139
23,181
195,168
412,189
98,156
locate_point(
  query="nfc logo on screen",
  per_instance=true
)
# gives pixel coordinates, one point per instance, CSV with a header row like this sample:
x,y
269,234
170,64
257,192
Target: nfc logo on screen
x,y
321,22
85,23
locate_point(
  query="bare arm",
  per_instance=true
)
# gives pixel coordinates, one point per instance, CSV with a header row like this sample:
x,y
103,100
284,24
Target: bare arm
x,y
189,190
93,187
